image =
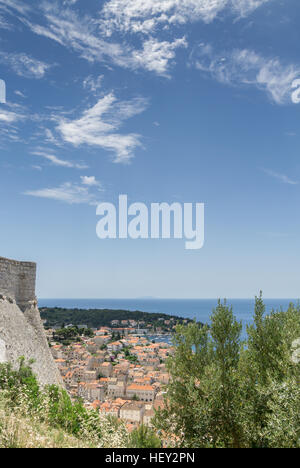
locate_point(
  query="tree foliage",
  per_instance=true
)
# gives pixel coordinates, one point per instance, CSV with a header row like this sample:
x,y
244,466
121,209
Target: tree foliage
x,y
94,318
144,437
227,393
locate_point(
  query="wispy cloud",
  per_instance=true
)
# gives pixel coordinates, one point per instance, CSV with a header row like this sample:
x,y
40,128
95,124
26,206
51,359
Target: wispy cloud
x,y
93,84
20,94
10,117
69,192
245,67
98,126
244,7
145,16
65,27
82,35
282,177
89,36
4,23
14,6
24,65
59,162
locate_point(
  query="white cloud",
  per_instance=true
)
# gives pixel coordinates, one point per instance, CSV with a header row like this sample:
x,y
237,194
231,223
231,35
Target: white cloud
x,y
68,192
59,162
20,94
25,65
90,181
98,126
50,137
282,177
9,117
14,6
244,7
3,23
156,56
87,35
93,84
78,33
147,15
82,35
12,117
249,68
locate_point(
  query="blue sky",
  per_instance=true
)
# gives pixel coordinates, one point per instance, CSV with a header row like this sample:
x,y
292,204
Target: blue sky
x,y
165,101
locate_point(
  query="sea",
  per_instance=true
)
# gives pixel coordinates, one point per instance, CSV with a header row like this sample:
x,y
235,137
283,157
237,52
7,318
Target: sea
x,y
199,309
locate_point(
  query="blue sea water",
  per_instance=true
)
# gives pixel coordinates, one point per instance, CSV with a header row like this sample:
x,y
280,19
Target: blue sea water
x,y
199,309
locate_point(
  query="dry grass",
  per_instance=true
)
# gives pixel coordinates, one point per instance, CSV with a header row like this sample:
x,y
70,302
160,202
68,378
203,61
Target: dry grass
x,y
17,431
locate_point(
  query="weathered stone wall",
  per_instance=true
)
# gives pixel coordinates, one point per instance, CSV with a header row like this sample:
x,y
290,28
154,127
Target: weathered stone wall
x,y
17,281
21,337
21,329
3,357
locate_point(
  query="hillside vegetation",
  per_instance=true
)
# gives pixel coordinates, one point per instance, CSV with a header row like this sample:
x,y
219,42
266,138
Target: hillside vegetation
x,y
31,417
227,393
223,392
94,318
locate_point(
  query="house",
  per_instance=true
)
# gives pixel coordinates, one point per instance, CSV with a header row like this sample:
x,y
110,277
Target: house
x,y
60,362
94,363
68,378
89,376
148,416
115,346
112,407
142,392
116,389
106,369
133,412
99,340
92,346
91,391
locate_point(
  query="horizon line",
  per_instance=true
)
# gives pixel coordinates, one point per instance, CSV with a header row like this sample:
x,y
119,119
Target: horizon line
x,y
161,298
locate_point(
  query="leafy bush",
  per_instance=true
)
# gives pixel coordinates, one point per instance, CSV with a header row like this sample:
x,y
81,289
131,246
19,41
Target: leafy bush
x,y
21,397
144,437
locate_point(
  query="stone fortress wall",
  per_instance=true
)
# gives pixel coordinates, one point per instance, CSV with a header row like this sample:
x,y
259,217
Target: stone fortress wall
x,y
21,328
17,281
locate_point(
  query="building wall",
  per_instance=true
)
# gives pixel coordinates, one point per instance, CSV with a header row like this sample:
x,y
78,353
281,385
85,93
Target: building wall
x,y
131,414
17,281
116,391
144,395
106,370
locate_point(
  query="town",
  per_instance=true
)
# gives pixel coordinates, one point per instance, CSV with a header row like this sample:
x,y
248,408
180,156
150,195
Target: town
x,y
118,370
